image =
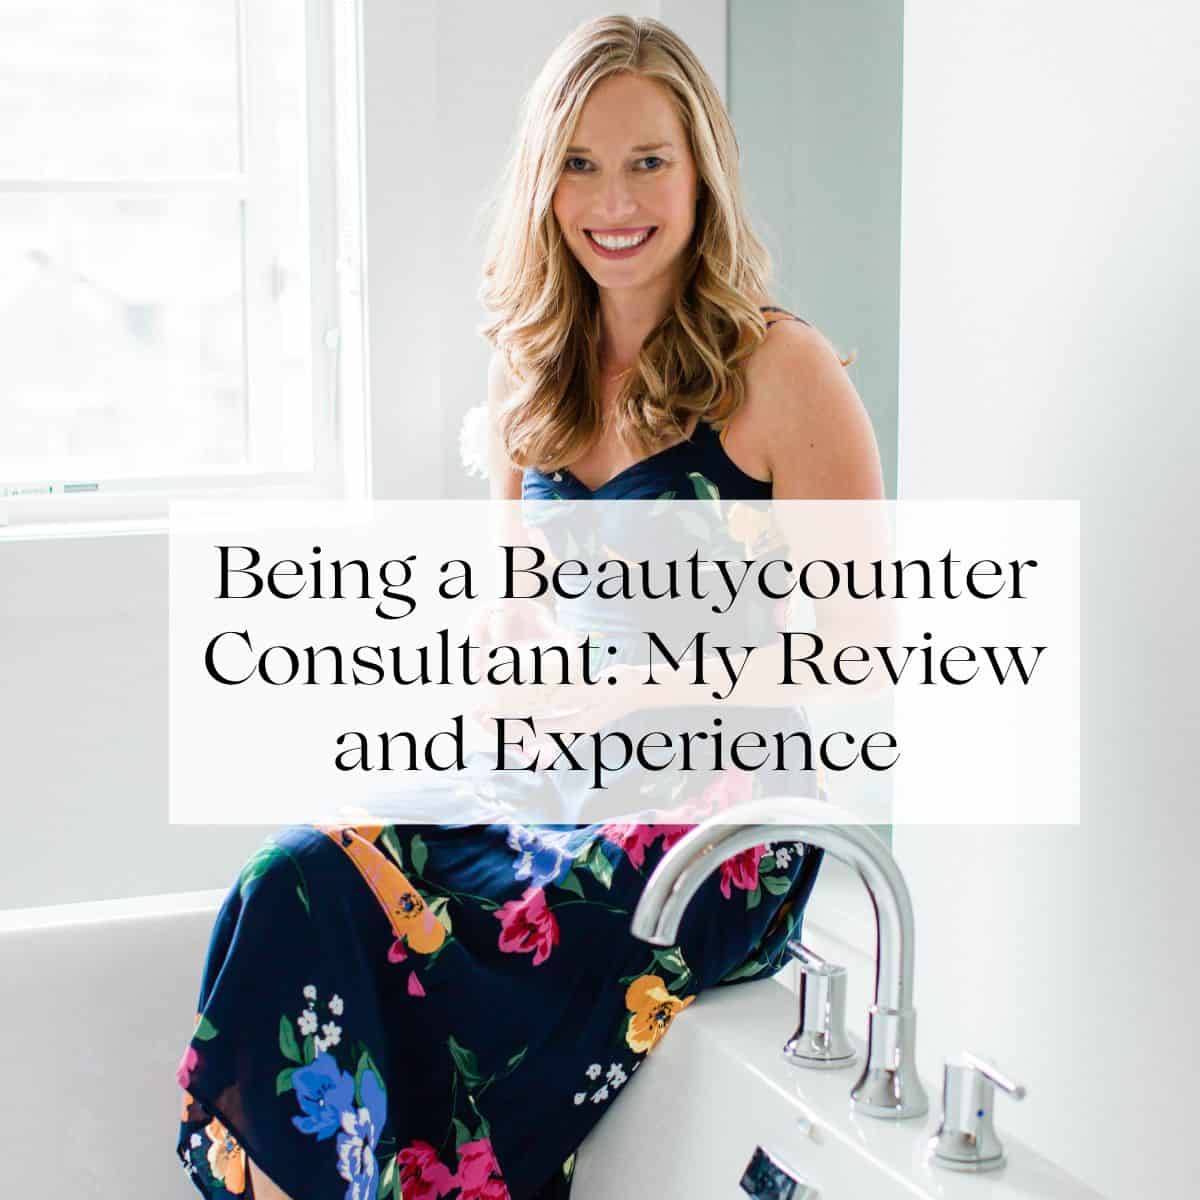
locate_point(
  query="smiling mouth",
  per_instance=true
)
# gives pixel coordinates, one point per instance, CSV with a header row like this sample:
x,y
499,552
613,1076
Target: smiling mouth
x,y
620,243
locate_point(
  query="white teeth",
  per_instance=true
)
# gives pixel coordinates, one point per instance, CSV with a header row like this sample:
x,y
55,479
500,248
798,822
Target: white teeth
x,y
620,243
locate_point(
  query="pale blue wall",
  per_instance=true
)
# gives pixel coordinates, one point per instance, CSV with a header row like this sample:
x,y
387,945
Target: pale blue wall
x,y
815,94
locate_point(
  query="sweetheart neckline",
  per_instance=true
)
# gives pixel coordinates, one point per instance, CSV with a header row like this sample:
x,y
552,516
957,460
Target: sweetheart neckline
x,y
641,462
653,458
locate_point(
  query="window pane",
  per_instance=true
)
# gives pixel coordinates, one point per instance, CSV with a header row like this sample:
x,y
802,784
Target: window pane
x,y
118,87
123,345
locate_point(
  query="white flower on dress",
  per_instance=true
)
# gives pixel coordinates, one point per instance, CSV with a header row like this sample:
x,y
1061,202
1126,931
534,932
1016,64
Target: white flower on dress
x,y
196,1140
332,1033
336,1005
473,441
307,1021
614,1077
356,1156
318,1047
783,857
310,992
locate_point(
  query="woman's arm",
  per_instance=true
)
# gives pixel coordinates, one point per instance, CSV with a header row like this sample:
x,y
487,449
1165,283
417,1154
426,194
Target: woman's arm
x,y
504,478
816,436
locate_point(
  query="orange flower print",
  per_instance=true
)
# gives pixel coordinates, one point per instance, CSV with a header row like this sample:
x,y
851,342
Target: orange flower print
x,y
414,921
411,918
226,1158
653,1008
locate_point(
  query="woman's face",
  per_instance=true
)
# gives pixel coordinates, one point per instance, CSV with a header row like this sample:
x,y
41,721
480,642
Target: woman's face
x,y
626,198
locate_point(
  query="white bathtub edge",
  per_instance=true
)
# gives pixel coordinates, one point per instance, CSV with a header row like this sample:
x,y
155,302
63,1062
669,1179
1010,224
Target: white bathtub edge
x,y
57,916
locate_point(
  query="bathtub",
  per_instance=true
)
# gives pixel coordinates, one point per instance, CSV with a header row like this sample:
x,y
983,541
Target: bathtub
x,y
97,1007
98,1004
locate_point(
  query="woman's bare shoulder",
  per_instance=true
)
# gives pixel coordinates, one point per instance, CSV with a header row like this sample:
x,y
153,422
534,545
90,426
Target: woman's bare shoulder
x,y
813,429
790,344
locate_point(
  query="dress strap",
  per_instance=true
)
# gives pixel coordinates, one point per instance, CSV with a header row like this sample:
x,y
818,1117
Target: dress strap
x,y
774,313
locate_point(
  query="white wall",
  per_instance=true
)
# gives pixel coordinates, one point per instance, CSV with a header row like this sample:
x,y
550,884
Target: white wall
x,y
1049,281
83,729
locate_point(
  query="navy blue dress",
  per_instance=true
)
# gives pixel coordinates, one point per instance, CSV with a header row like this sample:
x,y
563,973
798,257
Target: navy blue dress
x,y
400,1012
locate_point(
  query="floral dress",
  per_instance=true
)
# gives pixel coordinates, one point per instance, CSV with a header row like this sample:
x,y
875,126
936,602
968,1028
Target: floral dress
x,y
402,1012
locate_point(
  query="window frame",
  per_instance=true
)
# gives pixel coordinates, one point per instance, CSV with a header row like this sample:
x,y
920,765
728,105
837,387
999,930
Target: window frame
x,y
337,348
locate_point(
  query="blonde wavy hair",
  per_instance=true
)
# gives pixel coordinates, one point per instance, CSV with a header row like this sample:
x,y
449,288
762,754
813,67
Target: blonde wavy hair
x,y
545,312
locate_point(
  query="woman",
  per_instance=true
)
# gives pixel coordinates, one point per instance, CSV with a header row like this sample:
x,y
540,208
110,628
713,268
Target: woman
x,y
400,1011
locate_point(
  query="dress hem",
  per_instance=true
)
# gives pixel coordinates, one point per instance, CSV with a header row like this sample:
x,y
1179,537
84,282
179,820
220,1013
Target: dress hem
x,y
182,1152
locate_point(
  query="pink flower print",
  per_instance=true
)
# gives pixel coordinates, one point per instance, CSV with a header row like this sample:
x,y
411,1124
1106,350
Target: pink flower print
x,y
528,926
671,834
632,839
414,985
423,1176
187,1064
635,839
479,1173
397,952
741,870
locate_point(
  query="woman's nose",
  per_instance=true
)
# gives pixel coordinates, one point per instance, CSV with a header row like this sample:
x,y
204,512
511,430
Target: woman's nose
x,y
616,200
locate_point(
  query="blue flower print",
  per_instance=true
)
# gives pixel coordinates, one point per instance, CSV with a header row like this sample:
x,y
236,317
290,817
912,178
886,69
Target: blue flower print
x,y
324,1092
543,857
357,1138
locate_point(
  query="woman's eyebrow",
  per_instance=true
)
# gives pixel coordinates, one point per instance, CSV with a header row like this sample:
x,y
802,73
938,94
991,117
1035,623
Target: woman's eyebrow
x,y
635,149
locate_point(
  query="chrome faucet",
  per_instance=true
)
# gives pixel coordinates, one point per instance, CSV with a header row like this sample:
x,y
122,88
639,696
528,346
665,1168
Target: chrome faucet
x,y
888,1086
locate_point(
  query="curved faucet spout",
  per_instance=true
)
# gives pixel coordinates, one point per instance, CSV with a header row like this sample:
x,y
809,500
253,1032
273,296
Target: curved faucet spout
x,y
889,1086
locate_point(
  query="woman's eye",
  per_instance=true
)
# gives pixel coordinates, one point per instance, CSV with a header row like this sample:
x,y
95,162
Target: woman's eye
x,y
575,165
651,162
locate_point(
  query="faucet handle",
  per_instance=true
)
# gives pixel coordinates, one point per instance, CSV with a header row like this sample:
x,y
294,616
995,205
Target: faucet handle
x,y
993,1074
820,1039
966,1139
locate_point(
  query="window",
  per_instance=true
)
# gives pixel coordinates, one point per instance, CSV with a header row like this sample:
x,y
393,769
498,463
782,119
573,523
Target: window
x,y
179,253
